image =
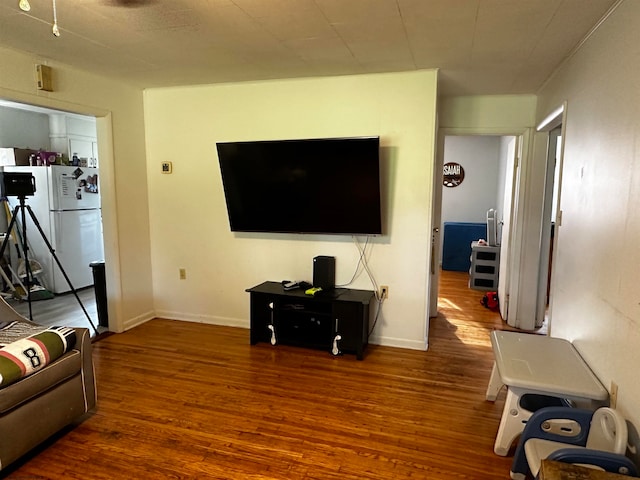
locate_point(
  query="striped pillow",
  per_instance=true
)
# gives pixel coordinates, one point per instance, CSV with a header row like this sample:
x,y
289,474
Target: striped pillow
x,y
27,355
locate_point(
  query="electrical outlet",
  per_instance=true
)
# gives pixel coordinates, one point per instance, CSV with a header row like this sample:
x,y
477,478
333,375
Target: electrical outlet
x,y
613,395
183,274
384,292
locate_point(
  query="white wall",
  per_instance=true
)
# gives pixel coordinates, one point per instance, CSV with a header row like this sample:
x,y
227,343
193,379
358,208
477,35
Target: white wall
x,y
595,293
479,156
22,129
120,126
188,216
498,114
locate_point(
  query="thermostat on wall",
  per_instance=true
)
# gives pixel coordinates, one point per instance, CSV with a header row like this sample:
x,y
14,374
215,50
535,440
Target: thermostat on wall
x,y
166,167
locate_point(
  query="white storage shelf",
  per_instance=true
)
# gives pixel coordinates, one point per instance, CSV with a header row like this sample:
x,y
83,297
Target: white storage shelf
x,y
485,265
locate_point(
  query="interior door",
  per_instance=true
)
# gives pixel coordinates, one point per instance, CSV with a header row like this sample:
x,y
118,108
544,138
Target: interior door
x,y
508,211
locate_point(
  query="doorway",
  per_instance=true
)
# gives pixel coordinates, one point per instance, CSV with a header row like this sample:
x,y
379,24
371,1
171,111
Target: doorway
x,y
33,129
552,127
490,163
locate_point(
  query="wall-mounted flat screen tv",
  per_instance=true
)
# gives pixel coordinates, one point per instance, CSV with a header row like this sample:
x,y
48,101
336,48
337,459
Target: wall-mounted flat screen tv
x,y
322,186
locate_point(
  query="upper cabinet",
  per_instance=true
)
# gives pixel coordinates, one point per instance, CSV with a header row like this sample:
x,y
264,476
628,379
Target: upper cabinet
x,y
74,135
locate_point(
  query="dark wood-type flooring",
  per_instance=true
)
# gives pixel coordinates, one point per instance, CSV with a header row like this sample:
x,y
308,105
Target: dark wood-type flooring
x,y
188,400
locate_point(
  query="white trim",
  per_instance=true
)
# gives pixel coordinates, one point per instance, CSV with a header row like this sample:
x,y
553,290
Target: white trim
x,y
552,120
200,318
243,323
398,342
561,120
579,45
110,236
104,130
136,321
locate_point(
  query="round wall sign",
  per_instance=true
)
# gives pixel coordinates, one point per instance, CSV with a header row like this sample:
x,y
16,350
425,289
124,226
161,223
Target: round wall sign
x,y
452,175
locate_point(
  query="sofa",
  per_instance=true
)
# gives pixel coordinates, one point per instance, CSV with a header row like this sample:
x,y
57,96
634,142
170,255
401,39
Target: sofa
x,y
42,402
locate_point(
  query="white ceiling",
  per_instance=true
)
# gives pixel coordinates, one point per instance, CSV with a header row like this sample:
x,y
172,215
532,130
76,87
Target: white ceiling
x,y
481,46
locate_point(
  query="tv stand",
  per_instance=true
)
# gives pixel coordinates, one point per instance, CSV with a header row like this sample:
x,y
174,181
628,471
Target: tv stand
x,y
335,320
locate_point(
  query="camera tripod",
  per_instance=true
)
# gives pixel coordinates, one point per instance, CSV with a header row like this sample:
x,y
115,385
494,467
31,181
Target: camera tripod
x,y
22,207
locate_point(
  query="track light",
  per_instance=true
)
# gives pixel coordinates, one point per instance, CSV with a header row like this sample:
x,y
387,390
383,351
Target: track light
x,y
25,6
55,29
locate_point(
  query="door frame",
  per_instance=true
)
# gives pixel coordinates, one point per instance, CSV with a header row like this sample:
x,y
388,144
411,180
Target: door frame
x,y
104,131
554,124
514,264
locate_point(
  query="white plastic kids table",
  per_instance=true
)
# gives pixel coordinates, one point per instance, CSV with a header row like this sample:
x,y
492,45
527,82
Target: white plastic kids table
x,y
536,364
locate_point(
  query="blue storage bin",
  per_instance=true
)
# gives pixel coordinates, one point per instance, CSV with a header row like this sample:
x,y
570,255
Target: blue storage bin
x,y
456,244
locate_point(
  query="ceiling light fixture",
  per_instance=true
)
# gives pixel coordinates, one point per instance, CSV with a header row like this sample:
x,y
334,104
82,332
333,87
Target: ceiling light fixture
x,y
55,29
25,6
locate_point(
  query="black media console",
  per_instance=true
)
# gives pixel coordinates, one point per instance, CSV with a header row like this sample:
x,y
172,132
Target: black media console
x,y
336,320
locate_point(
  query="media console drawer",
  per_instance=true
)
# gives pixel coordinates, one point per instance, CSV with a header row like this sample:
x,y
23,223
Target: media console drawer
x,y
336,321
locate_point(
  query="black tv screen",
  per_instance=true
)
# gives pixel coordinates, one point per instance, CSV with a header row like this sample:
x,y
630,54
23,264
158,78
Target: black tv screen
x,y
318,186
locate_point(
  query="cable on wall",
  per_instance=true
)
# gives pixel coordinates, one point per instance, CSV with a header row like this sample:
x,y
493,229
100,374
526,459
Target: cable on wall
x,y
361,266
362,259
365,265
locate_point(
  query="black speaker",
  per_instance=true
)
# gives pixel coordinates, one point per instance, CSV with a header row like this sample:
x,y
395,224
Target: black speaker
x,y
324,272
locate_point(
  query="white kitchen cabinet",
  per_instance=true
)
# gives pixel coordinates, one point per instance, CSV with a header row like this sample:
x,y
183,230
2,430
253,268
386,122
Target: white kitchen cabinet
x,y
84,147
74,135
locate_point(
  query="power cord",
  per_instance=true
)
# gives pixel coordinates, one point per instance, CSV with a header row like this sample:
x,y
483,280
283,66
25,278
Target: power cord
x,y
363,261
365,264
375,320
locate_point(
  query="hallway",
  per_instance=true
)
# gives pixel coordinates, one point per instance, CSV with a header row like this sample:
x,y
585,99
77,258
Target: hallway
x,y
459,308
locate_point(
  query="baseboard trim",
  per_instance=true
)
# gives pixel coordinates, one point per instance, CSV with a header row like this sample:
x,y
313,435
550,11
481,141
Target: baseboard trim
x,y
243,323
398,342
208,319
139,320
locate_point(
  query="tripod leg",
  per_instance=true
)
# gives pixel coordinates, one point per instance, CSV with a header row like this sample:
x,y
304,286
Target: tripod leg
x,y
25,251
57,260
12,224
9,228
5,242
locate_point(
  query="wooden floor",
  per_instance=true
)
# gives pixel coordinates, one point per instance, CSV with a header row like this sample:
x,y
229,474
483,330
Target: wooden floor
x,y
188,400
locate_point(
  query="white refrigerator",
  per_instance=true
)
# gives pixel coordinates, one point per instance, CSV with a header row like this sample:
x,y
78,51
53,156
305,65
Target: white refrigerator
x,y
66,204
